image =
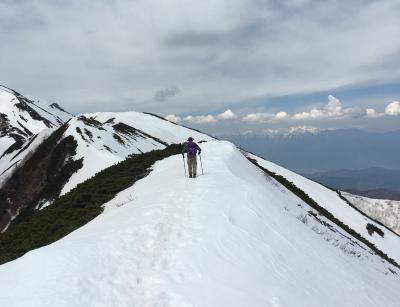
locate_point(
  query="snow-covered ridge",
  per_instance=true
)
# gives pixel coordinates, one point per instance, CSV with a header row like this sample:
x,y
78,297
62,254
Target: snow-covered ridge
x,y
106,138
96,141
385,211
232,237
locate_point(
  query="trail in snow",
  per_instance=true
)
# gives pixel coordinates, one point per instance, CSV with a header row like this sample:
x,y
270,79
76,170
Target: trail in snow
x,y
227,238
96,157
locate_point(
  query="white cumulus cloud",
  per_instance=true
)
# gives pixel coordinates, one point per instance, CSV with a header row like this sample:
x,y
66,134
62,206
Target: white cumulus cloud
x,y
372,113
258,117
265,117
333,109
173,118
393,108
200,119
302,115
228,114
281,115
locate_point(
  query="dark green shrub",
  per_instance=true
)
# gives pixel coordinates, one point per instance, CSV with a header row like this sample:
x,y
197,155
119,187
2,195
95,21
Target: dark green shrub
x,y
77,207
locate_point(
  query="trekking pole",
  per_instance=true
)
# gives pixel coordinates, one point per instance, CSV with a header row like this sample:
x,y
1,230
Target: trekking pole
x,y
201,163
184,166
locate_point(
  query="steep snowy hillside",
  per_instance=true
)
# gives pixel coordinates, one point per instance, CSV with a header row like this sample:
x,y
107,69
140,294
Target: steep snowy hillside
x,y
21,118
107,138
233,237
385,211
25,124
385,239
54,161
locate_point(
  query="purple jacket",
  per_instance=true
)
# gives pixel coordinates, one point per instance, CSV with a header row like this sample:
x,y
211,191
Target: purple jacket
x,y
191,149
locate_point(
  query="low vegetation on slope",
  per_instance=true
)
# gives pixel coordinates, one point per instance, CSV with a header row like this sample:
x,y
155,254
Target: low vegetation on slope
x,y
77,207
41,175
322,211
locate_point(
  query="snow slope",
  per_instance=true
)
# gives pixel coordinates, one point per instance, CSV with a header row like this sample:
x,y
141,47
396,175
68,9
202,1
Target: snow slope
x,y
330,200
385,211
101,145
96,141
232,237
153,125
21,120
24,123
33,115
9,162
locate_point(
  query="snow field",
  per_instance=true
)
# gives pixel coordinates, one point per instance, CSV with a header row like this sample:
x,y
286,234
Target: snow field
x,y
227,238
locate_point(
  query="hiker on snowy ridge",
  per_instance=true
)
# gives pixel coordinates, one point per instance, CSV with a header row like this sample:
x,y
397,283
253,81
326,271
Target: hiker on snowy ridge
x,y
191,149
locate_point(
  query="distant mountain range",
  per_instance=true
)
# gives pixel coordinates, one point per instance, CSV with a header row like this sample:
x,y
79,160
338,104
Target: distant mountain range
x,y
371,182
353,160
310,151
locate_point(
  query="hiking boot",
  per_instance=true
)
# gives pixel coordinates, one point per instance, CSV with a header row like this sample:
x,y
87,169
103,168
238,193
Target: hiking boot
x,y
194,176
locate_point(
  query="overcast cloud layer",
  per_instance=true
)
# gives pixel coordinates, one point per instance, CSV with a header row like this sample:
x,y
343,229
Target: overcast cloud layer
x,y
194,57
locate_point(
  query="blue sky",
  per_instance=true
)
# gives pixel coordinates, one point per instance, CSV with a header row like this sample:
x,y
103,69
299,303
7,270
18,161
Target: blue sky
x,y
196,59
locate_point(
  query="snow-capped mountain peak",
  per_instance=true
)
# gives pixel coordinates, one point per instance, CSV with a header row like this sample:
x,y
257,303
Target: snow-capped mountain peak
x,y
30,114
21,118
292,131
